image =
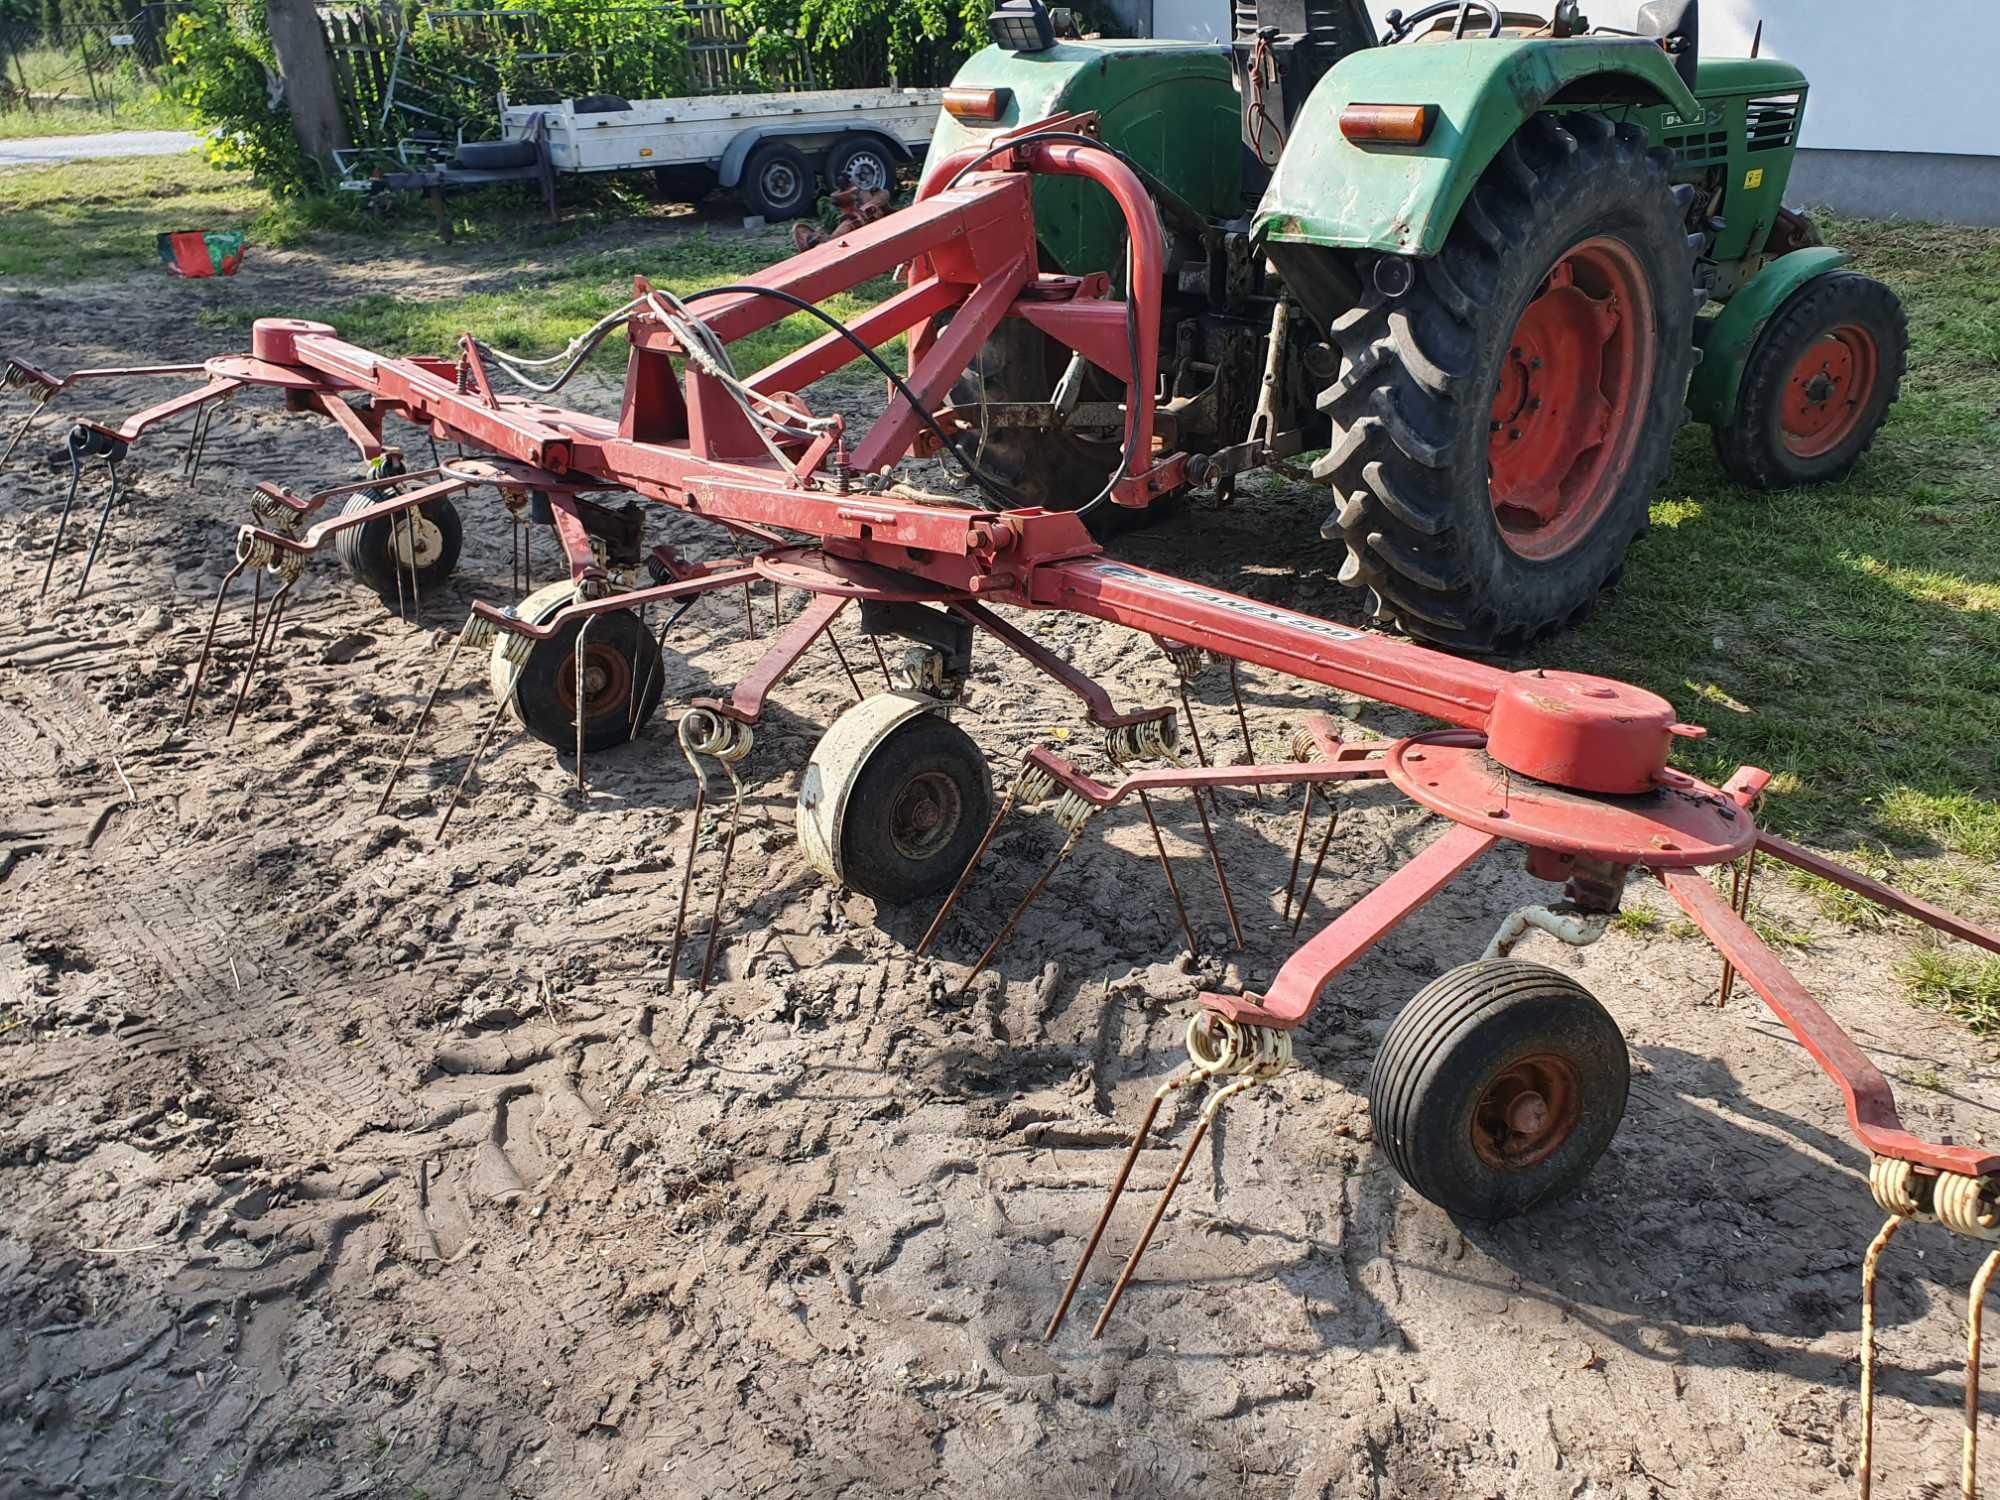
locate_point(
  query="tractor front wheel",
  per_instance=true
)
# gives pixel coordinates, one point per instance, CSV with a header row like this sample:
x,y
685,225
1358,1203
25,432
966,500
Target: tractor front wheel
x,y
1499,428
1818,384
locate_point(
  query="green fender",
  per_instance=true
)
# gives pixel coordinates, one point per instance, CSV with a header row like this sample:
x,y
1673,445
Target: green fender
x,y
1728,338
1329,191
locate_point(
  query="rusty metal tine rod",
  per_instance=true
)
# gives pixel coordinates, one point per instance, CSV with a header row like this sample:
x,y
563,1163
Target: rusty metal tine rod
x,y
1146,1236
1243,722
633,700
721,881
423,718
1298,851
582,706
256,600
965,875
1742,909
1200,754
1020,910
416,583
457,792
749,614
882,662
1167,869
1968,1479
834,641
687,879
62,521
97,539
208,642
396,567
1729,969
1312,880
1221,880
257,650
20,432
777,607
201,447
1864,1469
1111,1202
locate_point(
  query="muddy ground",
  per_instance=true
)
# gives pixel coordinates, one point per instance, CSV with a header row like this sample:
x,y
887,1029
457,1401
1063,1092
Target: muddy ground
x,y
338,1162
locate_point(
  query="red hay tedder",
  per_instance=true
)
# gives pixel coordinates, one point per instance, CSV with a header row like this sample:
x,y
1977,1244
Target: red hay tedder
x,y
1498,1086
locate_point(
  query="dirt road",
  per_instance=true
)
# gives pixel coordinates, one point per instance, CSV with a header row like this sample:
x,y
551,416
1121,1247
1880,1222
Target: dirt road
x,y
339,1162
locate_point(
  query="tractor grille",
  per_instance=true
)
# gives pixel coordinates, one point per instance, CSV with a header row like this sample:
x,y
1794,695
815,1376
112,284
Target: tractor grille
x,y
1773,124
1694,149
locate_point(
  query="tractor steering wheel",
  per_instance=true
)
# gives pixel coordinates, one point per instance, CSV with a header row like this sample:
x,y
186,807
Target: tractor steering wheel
x,y
1402,26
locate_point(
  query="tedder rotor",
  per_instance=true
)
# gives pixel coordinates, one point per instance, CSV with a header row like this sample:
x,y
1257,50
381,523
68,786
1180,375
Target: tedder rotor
x,y
1500,1084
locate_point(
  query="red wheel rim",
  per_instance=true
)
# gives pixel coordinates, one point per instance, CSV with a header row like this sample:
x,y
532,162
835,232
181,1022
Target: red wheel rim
x,y
1828,391
1571,399
607,681
1526,1112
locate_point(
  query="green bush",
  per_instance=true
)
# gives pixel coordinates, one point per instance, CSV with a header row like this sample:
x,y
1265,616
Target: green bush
x,y
219,63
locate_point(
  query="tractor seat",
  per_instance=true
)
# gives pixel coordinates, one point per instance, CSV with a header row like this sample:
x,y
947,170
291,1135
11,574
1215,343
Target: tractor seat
x,y
1677,25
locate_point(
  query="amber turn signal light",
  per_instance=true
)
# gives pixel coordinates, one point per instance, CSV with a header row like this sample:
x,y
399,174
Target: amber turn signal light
x,y
977,104
1388,124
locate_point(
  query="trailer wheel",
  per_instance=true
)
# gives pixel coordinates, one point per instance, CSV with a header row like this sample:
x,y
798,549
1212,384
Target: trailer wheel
x,y
1499,429
621,660
778,181
377,551
860,161
1818,384
1498,1087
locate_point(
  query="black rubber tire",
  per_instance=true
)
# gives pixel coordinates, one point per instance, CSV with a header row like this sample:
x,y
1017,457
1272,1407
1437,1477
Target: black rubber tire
x,y
1457,1035
546,685
871,860
1750,444
876,161
364,550
1410,411
496,156
601,104
778,181
1057,470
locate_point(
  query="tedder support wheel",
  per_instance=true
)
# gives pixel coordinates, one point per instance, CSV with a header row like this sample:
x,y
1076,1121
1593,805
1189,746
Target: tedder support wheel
x,y
1498,1087
381,553
1499,428
894,800
621,659
1818,383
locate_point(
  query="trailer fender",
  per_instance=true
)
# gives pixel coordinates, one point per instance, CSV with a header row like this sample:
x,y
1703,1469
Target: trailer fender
x,y
1329,191
836,760
729,171
1728,338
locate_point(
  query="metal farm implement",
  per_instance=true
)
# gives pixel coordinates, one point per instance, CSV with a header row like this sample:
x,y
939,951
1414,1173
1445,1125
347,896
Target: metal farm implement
x,y
1498,1086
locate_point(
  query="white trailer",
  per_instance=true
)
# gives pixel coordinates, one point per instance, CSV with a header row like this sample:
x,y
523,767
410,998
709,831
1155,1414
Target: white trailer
x,y
775,148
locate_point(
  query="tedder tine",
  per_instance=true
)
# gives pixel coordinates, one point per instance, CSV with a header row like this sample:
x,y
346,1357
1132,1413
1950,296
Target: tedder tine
x,y
1221,880
97,538
1167,869
270,630
1298,852
1245,1055
475,631
1325,843
1739,902
749,611
516,650
76,439
582,701
1020,910
1030,780
1111,1200
882,662
1243,722
841,656
1864,1468
687,881
722,875
21,431
1968,1478
208,638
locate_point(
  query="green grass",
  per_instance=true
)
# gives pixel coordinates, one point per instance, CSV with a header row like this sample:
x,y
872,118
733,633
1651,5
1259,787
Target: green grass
x,y
99,218
1966,989
117,99
1848,636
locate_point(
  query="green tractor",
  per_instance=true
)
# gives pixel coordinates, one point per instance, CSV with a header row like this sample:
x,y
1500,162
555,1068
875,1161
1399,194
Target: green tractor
x,y
1488,262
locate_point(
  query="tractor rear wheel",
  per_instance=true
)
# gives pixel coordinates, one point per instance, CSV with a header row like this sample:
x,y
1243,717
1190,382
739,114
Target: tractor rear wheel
x,y
1823,375
1498,429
